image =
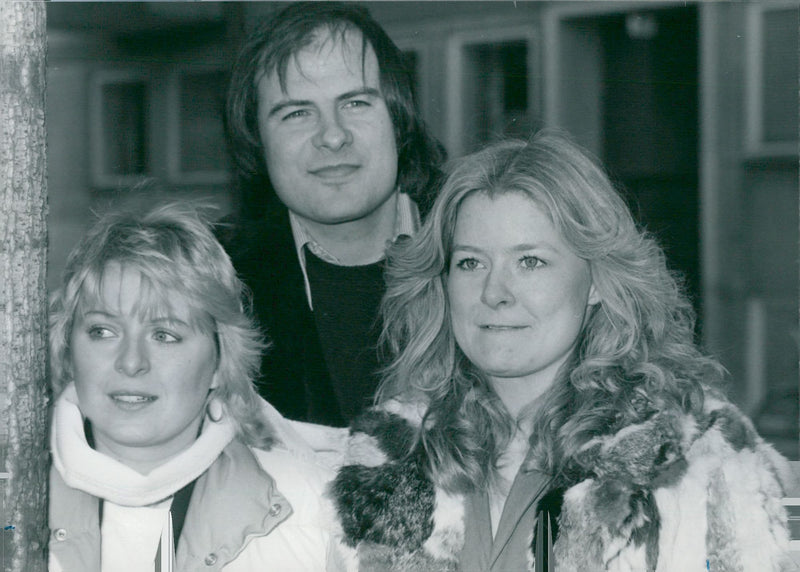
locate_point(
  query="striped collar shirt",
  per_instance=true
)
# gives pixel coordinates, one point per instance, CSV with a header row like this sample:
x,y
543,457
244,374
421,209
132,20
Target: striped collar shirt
x,y
406,224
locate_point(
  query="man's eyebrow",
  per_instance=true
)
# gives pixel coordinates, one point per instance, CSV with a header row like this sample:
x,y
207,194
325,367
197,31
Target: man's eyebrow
x,y
368,91
361,92
281,105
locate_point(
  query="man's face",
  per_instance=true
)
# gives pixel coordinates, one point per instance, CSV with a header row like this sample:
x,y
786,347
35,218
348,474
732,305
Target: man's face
x,y
328,138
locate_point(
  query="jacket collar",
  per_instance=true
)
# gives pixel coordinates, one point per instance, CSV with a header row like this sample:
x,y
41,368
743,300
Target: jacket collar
x,y
223,516
527,489
220,521
480,549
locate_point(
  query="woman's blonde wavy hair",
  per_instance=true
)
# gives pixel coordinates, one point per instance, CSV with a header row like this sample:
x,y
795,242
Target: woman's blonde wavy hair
x,y
174,249
635,355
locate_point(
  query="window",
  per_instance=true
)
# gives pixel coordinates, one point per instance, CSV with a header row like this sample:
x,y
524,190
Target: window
x,y
493,88
120,128
772,79
197,151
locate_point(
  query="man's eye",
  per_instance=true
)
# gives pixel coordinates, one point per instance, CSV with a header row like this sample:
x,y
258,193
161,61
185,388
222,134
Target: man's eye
x,y
355,103
165,337
295,114
531,262
468,264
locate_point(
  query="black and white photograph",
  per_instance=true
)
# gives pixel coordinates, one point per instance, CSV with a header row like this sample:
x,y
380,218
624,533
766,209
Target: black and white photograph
x,y
435,286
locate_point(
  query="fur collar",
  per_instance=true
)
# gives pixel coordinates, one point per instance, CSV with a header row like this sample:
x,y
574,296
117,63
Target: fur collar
x,y
656,500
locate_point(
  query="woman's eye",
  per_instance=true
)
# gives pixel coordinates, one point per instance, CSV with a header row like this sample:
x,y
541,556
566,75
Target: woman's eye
x,y
468,264
165,337
531,262
99,332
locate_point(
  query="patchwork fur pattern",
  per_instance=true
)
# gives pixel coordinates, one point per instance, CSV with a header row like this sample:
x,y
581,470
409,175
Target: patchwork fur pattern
x,y
386,504
611,520
731,496
669,494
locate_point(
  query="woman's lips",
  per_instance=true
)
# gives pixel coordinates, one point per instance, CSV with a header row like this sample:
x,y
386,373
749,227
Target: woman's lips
x,y
129,401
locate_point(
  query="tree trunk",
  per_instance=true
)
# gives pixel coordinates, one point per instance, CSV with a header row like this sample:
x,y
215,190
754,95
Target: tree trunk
x,y
23,296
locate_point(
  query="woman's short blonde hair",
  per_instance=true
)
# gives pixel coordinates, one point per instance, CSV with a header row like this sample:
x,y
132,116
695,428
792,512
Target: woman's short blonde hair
x,y
173,247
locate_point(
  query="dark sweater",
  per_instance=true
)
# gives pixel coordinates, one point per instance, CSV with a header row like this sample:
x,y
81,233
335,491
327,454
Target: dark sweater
x,y
294,370
346,301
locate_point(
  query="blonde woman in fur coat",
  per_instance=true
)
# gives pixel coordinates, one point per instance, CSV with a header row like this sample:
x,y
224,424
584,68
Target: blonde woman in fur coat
x,y
164,457
547,407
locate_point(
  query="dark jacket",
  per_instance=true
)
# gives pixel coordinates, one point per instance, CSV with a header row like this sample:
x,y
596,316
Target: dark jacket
x,y
294,377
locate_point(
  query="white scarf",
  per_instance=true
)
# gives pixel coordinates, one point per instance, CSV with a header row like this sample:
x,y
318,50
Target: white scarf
x,y
90,471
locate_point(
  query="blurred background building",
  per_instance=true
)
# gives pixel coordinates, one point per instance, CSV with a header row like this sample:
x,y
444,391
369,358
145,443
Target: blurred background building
x,y
693,107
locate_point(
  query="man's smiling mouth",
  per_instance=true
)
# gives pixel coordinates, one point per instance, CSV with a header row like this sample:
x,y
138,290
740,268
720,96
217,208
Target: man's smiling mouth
x,y
335,171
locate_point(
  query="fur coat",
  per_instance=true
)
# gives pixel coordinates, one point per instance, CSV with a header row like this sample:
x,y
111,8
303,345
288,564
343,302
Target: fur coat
x,y
672,493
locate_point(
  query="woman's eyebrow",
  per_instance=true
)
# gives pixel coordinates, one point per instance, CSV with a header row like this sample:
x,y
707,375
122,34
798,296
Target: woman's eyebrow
x,y
99,312
466,247
516,248
168,320
533,246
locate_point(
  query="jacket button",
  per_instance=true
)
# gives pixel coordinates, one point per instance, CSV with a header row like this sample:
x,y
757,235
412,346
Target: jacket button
x,y
211,559
60,534
275,509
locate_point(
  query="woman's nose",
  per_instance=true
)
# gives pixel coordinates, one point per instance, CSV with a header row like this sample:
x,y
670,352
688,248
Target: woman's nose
x,y
132,359
497,288
332,134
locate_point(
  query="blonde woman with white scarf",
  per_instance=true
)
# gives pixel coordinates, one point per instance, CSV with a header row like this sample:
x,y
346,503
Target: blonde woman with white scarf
x,y
163,458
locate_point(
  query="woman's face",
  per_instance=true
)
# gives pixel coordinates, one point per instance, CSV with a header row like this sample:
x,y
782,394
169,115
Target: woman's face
x,y
142,380
518,295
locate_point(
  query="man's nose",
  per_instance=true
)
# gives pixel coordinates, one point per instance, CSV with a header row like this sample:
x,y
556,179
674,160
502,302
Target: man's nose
x,y
332,134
